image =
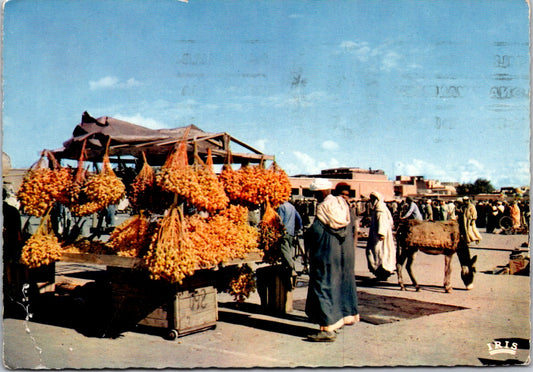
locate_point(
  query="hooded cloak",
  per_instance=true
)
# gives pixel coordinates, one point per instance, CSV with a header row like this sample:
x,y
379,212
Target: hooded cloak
x,y
381,254
331,296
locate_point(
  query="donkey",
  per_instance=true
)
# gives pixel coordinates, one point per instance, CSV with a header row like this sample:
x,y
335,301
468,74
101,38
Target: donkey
x,y
433,238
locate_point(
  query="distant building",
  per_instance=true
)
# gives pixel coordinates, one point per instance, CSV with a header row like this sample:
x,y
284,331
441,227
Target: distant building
x,y
13,178
418,186
361,181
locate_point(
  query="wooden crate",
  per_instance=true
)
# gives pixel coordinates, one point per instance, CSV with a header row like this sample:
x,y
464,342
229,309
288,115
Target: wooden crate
x,y
274,289
178,309
189,311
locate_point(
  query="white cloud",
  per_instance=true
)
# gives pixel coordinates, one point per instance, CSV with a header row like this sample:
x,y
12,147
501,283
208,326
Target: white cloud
x,y
469,172
330,145
105,82
306,164
141,120
390,61
383,56
518,174
112,82
361,50
428,170
298,99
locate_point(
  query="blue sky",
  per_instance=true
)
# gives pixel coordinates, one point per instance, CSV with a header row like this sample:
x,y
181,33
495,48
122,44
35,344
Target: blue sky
x,y
437,88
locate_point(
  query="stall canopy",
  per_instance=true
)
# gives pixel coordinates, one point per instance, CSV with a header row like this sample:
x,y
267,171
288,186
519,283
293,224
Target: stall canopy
x,y
131,140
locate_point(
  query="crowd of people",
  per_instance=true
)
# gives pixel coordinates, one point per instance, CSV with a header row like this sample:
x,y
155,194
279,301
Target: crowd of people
x,y
489,212
331,222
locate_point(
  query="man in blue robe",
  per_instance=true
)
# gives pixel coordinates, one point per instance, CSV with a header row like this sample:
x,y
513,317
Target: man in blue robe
x,y
332,296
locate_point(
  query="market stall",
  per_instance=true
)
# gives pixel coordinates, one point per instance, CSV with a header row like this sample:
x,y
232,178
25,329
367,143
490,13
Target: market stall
x,y
186,219
130,140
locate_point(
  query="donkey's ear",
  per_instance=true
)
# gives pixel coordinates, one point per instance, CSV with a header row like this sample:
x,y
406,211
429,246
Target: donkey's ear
x,y
473,261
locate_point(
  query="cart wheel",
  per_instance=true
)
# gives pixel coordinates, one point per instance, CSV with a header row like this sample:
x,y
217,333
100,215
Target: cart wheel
x,y
506,223
172,335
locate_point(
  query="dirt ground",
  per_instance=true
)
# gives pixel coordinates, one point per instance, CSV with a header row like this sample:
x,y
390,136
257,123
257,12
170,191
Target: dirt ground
x,y
488,325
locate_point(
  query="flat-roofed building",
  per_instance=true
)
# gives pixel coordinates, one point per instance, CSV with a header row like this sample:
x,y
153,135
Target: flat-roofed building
x,y
362,182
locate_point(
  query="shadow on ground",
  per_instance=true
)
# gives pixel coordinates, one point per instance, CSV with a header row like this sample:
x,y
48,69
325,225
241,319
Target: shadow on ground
x,y
243,314
379,309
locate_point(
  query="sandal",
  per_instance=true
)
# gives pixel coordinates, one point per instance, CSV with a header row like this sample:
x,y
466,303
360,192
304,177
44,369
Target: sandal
x,y
322,336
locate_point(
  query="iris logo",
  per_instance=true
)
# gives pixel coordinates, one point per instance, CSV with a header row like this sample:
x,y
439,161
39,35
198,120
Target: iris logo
x,y
502,347
507,351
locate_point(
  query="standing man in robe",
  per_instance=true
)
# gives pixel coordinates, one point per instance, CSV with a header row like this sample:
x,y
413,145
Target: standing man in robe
x,y
291,220
413,212
381,248
467,217
331,296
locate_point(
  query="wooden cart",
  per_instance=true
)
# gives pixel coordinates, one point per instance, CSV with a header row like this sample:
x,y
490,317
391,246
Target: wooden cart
x,y
137,300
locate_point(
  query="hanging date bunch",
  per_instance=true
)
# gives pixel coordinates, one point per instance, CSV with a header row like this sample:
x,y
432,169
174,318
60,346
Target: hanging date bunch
x,y
246,185
132,237
278,186
141,193
205,241
241,237
42,248
170,255
176,176
76,198
61,179
221,237
105,187
211,196
254,185
243,284
42,186
231,181
271,230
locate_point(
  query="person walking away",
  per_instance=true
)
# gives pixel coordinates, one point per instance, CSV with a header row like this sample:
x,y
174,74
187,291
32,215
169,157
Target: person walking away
x,y
492,217
481,221
450,210
444,213
437,211
413,212
467,221
428,210
331,297
342,189
381,248
515,214
291,220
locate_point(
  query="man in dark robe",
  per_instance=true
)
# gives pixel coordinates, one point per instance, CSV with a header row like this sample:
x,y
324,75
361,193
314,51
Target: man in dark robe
x,y
332,296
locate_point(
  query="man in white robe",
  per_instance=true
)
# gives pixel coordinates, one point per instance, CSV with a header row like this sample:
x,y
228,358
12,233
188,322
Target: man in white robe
x,y
381,248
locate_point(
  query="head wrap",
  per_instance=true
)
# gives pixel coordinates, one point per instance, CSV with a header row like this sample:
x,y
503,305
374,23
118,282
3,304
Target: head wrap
x,y
377,195
334,212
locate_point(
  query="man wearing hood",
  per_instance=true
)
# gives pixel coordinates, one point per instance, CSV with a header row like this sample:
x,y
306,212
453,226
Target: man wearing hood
x,y
381,248
331,296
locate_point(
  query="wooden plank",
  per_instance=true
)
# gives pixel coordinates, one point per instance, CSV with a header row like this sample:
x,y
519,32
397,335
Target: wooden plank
x,y
134,262
101,259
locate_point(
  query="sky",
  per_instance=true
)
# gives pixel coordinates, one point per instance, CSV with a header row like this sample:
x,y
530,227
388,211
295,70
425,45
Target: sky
x,y
433,88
